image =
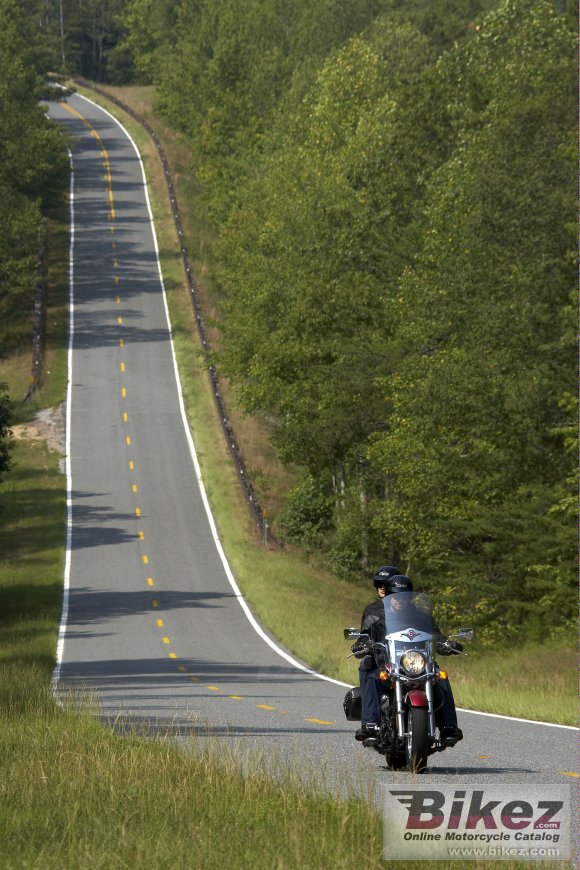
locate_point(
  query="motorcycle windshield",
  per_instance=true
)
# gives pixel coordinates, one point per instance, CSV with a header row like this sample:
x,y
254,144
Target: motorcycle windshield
x,y
408,622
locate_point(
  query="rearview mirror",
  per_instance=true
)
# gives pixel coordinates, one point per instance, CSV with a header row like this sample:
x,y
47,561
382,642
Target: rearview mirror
x,y
465,633
349,633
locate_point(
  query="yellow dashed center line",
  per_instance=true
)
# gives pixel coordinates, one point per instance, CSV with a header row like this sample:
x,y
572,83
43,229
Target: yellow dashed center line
x,y
150,581
265,707
214,688
128,441
145,560
154,603
166,640
121,342
107,177
131,465
120,321
160,623
568,773
141,536
172,655
124,392
137,512
125,417
134,487
235,697
122,366
319,721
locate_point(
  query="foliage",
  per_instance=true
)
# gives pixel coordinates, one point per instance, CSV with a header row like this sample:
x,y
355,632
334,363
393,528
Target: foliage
x,y
32,165
72,38
307,515
224,68
398,278
473,479
393,191
310,254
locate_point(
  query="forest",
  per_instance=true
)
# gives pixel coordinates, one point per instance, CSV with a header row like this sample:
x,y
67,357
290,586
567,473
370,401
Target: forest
x,y
392,188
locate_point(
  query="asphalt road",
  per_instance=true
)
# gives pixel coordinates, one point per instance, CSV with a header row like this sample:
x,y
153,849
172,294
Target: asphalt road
x,y
154,628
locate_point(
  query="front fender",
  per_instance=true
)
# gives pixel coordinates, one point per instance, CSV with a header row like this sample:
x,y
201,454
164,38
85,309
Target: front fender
x,y
416,698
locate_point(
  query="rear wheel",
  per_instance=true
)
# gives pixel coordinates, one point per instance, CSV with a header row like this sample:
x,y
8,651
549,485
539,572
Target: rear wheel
x,y
417,741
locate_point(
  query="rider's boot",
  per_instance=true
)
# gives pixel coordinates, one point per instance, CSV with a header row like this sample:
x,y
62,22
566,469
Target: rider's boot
x,y
366,731
450,735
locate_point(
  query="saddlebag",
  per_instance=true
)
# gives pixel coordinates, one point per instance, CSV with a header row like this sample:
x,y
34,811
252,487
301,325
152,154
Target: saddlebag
x,y
352,704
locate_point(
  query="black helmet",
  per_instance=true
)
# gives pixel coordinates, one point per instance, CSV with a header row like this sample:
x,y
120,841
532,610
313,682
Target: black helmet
x,y
398,583
383,575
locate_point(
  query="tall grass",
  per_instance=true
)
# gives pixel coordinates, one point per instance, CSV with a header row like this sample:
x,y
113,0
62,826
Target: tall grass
x,y
76,795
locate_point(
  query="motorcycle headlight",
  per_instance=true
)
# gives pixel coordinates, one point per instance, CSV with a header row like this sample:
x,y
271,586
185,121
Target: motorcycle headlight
x,y
413,662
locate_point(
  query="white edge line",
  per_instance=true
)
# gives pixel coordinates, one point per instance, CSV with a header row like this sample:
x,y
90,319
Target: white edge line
x,y
67,562
517,719
229,574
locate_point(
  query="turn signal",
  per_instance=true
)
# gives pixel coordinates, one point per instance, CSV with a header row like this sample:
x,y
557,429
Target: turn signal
x,y
442,675
384,676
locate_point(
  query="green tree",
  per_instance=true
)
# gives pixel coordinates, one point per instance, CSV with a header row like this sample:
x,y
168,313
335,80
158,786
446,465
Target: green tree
x,y
313,254
147,27
33,164
478,410
307,515
226,67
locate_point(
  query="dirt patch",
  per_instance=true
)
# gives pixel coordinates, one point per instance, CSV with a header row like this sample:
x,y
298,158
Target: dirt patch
x,y
48,425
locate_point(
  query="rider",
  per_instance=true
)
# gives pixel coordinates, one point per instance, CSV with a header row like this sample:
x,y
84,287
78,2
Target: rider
x,y
389,580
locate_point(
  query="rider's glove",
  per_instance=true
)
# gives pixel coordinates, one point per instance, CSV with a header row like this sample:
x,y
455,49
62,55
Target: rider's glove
x,y
360,649
449,647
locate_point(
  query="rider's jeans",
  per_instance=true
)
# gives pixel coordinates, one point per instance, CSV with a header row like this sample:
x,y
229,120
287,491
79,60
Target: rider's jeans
x,y
370,689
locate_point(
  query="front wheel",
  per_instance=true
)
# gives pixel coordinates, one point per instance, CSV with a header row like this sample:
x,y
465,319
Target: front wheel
x,y
417,740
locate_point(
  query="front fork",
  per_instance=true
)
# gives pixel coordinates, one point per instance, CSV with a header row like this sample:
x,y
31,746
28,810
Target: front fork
x,y
430,708
401,709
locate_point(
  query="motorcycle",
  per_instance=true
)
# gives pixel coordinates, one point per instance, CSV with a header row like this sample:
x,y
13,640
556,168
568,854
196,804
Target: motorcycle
x,y
409,677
